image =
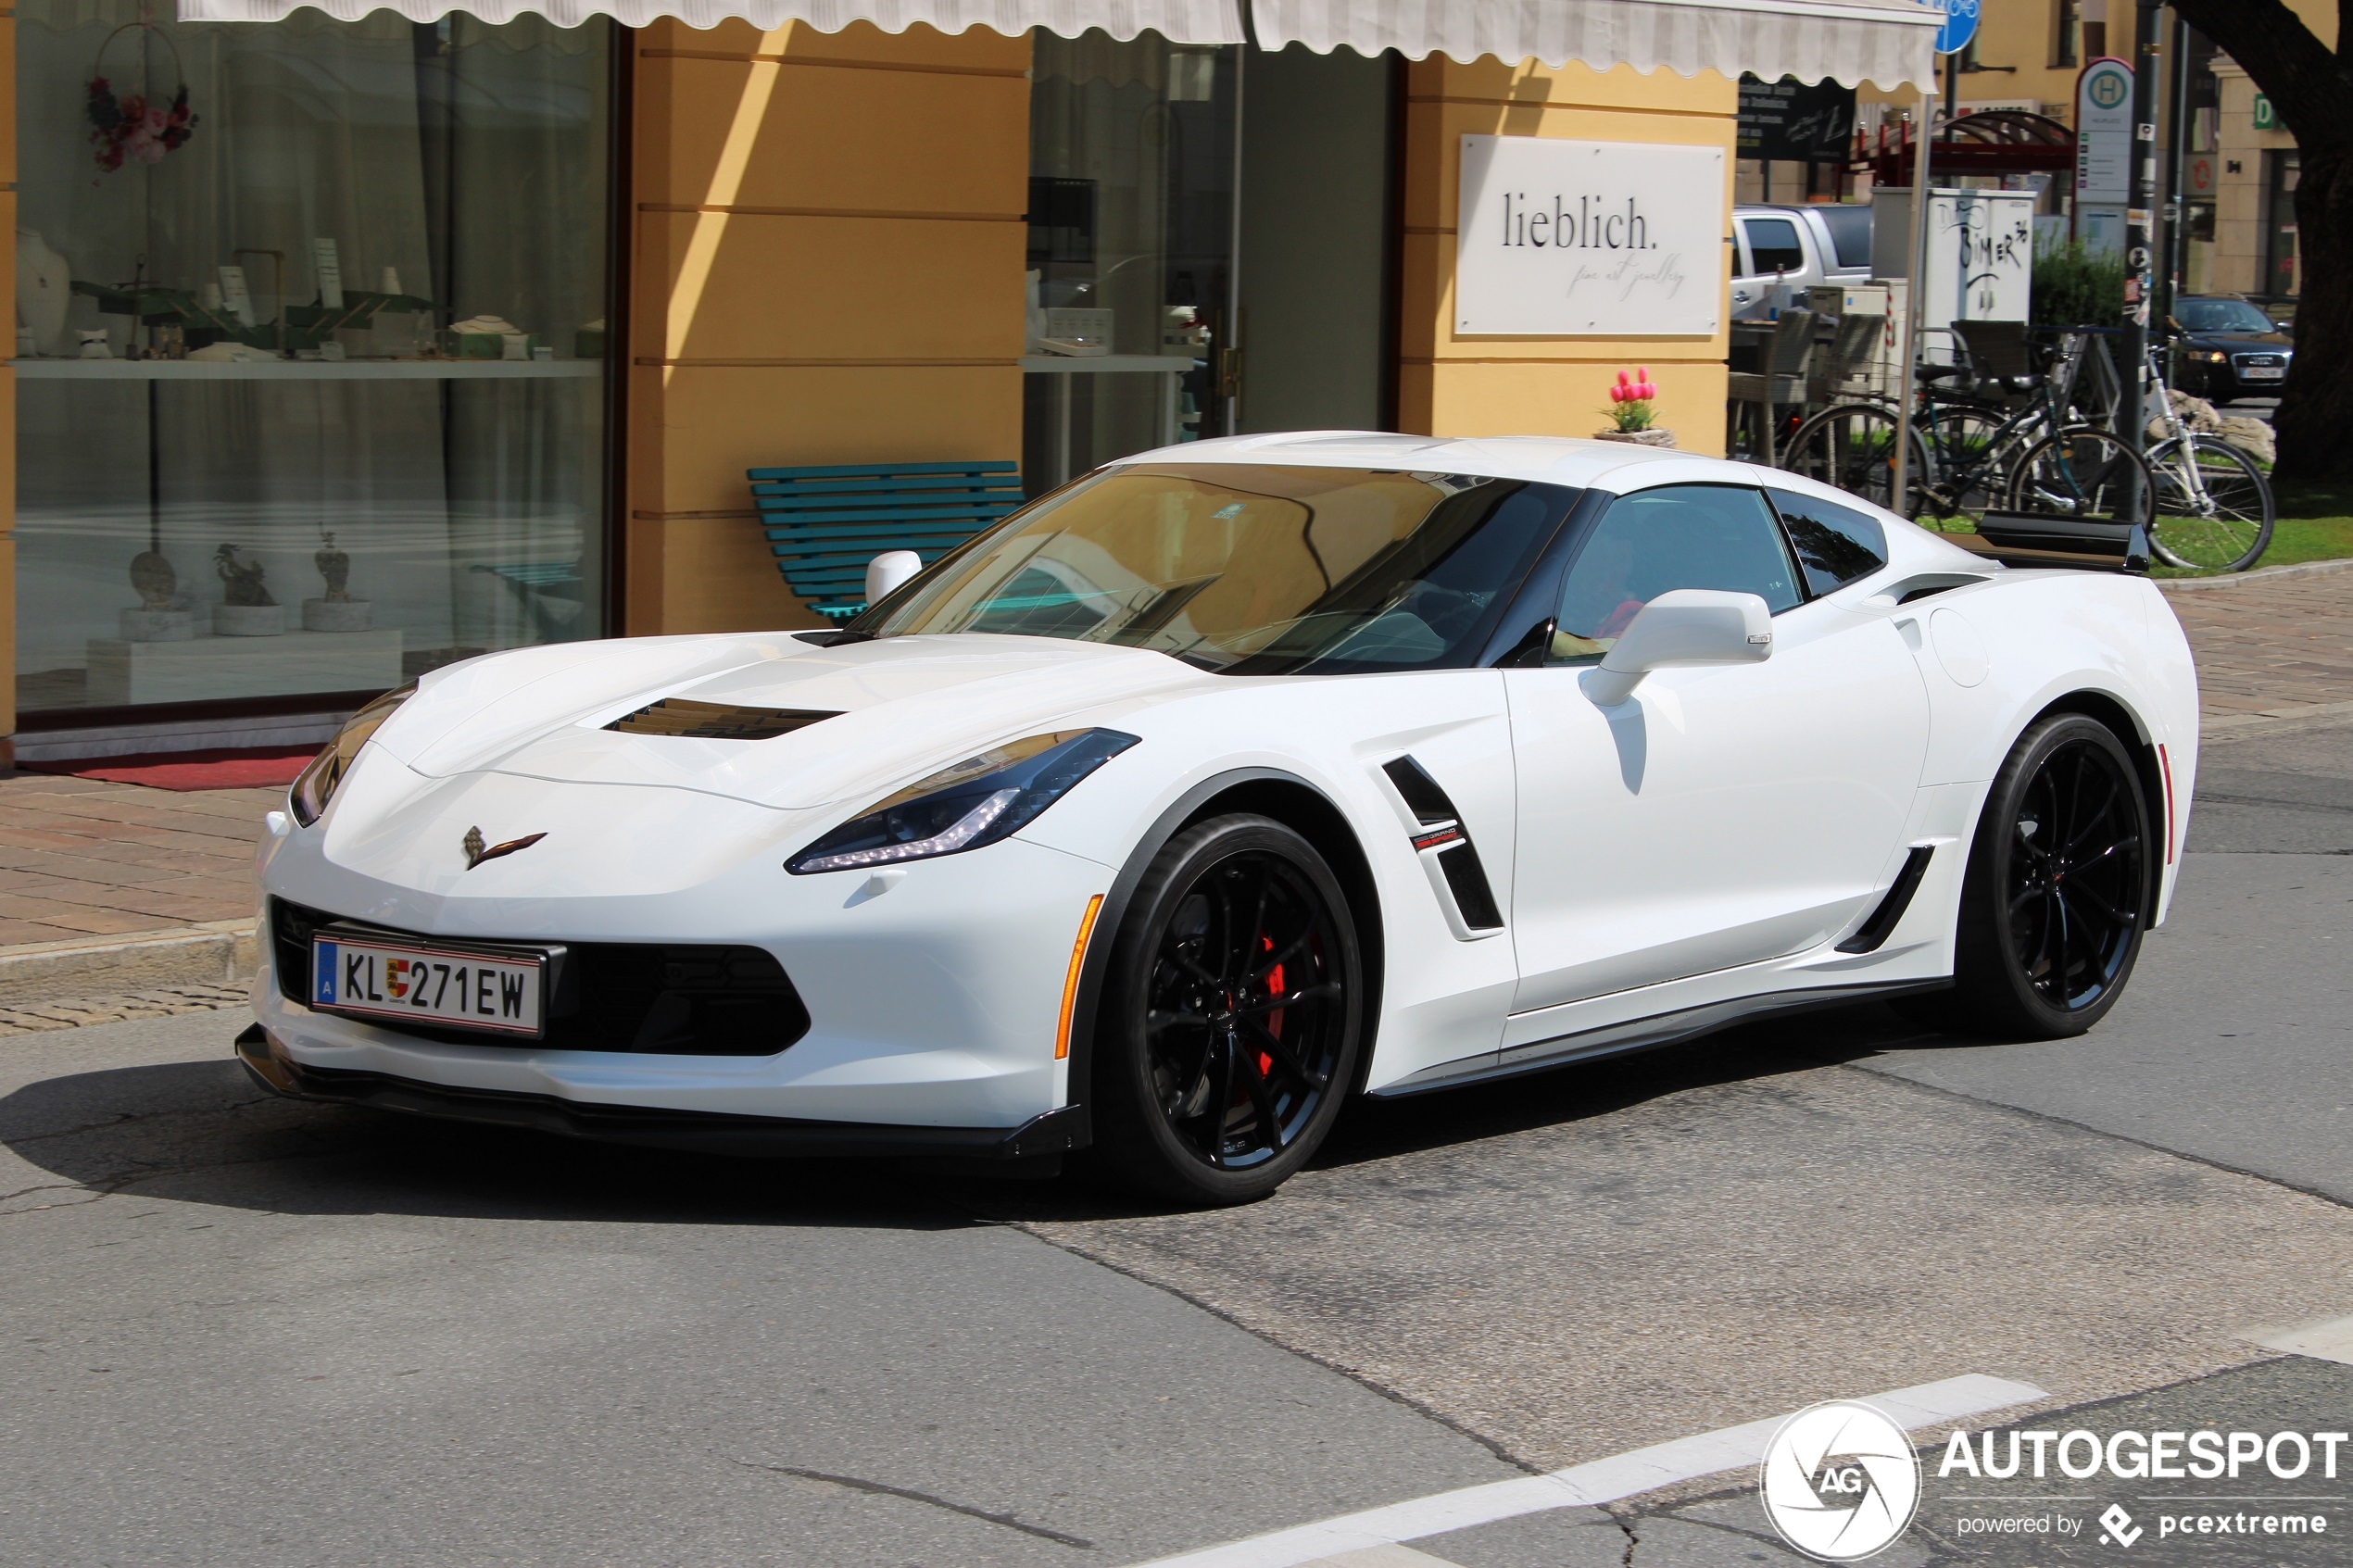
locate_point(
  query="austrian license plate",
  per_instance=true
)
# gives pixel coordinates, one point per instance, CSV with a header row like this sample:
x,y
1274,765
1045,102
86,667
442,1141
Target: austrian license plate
x,y
499,992
2262,372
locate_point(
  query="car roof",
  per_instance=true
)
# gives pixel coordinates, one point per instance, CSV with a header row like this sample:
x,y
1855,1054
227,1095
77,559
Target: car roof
x,y
1615,466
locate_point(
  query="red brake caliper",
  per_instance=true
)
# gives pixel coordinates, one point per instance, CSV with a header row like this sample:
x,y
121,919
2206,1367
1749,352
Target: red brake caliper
x,y
1275,1018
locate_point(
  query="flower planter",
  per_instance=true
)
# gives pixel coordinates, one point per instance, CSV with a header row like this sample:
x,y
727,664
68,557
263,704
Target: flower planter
x,y
1652,438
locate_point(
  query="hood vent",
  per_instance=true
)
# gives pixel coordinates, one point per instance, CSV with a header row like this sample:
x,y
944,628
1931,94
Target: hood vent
x,y
690,720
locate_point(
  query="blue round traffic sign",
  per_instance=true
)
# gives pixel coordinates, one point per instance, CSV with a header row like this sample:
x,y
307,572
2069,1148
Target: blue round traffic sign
x,y
1961,25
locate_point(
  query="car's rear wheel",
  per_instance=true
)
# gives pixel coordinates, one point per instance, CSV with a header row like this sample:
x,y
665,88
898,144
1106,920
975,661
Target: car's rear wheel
x,y
2057,890
1232,1014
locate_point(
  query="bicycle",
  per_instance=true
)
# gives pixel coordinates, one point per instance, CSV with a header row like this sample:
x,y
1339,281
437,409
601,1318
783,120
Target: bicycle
x,y
2214,506
1966,451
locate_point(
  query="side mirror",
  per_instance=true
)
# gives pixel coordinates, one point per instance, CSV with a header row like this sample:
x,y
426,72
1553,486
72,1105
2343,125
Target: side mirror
x,y
1679,627
887,570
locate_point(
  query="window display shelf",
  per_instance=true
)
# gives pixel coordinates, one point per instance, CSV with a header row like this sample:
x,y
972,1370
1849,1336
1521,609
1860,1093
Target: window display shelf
x,y
307,369
1106,364
207,668
1170,368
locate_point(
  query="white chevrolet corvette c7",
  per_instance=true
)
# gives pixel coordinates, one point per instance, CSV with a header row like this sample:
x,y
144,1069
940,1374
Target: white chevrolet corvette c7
x,y
1228,782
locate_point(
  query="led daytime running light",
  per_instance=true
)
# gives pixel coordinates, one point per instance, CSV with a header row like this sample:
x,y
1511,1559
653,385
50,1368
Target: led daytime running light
x,y
967,828
976,802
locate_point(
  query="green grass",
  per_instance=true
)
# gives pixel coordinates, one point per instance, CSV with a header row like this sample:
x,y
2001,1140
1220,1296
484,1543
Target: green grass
x,y
2315,523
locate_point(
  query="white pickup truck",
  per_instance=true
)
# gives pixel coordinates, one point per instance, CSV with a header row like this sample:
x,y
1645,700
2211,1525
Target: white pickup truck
x,y
1779,252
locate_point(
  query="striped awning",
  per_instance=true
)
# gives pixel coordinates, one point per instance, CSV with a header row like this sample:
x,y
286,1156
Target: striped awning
x,y
1886,41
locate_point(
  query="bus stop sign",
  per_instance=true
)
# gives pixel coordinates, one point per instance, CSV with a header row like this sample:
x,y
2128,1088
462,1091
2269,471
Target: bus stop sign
x,y
1961,25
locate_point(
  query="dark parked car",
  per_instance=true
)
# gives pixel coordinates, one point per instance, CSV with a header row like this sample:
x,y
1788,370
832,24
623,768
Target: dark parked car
x,y
2228,348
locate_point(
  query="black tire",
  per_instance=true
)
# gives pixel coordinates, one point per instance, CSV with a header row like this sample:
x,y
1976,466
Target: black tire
x,y
2049,937
2229,527
2084,472
1206,1090
1852,446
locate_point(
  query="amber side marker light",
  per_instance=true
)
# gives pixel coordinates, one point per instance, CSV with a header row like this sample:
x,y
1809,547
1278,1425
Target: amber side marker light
x,y
1070,982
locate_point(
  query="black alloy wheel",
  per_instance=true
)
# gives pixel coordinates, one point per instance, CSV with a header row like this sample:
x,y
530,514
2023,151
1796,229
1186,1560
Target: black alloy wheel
x,y
2059,886
1231,1016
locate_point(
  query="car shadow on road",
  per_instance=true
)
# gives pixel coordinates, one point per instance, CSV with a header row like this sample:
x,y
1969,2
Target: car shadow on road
x,y
1380,1129
203,1131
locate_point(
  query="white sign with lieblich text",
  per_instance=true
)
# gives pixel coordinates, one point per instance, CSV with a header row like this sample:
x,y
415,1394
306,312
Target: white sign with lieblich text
x,y
1589,239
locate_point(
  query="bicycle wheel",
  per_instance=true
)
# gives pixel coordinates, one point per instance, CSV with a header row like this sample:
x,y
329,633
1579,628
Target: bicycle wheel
x,y
2214,510
2084,473
1852,446
1961,440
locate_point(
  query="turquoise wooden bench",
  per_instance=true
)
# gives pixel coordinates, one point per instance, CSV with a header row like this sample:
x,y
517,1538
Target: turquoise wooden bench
x,y
826,523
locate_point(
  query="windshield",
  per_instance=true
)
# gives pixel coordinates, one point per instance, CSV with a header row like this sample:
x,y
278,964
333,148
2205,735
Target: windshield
x,y
1250,569
2219,315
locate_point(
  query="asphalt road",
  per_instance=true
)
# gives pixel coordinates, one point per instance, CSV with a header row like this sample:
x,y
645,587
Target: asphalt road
x,y
241,1331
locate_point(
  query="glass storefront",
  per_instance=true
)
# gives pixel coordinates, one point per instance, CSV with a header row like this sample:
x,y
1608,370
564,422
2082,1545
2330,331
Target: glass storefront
x,y
1131,231
312,351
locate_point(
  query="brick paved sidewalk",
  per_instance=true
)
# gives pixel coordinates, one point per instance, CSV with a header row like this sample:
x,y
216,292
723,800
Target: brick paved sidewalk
x,y
80,859
2269,646
85,860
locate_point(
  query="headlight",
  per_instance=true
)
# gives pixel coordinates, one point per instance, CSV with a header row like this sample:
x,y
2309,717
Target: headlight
x,y
2212,356
317,782
979,801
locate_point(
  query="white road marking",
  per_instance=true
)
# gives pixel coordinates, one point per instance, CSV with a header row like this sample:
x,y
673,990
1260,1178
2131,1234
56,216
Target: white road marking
x,y
1390,1556
2330,1341
1582,1485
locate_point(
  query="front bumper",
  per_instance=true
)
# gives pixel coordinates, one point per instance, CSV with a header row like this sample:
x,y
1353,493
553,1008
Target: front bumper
x,y
1048,1134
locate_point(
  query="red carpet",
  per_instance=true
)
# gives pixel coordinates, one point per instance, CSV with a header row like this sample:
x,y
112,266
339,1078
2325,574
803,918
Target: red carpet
x,y
186,771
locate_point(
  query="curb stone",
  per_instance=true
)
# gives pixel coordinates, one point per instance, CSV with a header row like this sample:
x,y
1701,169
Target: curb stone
x,y
217,952
2260,574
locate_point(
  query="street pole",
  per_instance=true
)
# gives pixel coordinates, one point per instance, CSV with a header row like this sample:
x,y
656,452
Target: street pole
x,y
1913,291
2140,231
2177,146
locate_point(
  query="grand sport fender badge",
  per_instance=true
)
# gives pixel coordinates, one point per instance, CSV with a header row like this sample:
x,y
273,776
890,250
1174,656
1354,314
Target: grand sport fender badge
x,y
476,852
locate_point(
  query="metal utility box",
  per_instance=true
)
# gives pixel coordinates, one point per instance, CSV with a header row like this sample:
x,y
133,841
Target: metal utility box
x,y
1981,258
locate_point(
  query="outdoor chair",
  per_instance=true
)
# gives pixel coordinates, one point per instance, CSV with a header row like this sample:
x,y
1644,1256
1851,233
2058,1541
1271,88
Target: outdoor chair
x,y
1840,366
1782,382
824,524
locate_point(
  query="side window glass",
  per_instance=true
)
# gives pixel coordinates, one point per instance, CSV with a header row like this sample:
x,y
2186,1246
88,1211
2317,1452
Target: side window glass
x,y
1678,536
1773,245
1835,545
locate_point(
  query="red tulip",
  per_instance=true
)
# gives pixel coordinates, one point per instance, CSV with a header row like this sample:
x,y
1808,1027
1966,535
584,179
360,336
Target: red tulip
x,y
1617,395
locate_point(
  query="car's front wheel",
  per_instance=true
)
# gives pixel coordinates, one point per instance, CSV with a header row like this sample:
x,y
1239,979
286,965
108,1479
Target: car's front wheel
x,y
1232,1014
2059,887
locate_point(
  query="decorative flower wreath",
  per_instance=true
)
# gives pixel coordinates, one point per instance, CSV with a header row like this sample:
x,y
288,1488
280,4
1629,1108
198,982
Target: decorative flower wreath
x,y
136,127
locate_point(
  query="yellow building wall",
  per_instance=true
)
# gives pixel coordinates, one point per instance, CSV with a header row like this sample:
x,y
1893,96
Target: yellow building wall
x,y
1450,385
826,268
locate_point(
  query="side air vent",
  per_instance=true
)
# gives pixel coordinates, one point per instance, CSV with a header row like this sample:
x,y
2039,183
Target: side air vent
x,y
1875,929
1442,830
690,720
1420,792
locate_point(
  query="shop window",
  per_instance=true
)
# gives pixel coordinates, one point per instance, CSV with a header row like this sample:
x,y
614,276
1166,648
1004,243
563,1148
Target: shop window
x,y
1131,193
2279,171
310,353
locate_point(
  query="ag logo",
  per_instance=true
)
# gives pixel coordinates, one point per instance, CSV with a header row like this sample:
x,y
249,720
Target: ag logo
x,y
1840,1481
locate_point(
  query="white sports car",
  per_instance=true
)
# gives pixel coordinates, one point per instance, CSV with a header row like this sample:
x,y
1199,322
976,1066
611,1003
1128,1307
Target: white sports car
x,y
1227,783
